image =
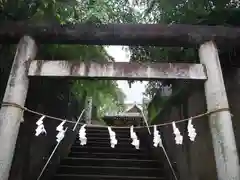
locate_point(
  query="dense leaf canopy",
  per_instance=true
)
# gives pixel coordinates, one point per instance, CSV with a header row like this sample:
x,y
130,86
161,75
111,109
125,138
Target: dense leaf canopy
x,y
106,93
212,12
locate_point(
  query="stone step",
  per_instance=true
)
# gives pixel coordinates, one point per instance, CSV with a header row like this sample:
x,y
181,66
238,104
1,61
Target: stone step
x,y
102,177
130,149
109,170
143,163
120,144
109,155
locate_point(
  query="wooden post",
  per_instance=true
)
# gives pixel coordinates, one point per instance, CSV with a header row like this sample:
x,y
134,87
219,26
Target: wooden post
x,y
16,92
88,111
224,144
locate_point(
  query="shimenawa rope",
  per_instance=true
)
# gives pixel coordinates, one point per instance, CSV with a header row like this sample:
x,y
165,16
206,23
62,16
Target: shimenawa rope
x,y
158,125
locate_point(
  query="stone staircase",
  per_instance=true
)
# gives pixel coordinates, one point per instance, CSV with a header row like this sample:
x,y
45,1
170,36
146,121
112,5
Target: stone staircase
x,y
98,161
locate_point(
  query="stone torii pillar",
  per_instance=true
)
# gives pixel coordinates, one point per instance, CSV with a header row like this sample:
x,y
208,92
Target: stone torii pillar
x,y
16,92
220,123
88,109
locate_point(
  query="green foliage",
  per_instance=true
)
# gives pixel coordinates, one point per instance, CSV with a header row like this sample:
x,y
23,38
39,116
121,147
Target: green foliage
x,y
105,93
211,12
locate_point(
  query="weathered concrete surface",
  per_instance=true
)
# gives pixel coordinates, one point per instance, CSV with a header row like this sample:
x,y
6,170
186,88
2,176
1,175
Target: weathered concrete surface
x,y
88,109
118,70
201,164
177,153
192,160
224,144
178,35
232,81
32,152
200,153
16,92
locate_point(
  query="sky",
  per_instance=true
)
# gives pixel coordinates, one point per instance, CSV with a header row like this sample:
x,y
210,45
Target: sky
x,y
135,93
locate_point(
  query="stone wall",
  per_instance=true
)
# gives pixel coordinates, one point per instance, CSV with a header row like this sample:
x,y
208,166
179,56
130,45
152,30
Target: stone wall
x,y
32,152
195,161
200,153
232,82
192,160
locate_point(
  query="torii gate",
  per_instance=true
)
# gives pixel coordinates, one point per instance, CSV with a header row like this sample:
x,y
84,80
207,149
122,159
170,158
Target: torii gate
x,y
24,65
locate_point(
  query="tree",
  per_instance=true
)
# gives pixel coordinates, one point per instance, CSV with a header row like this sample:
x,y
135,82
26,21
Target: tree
x,y
65,12
212,12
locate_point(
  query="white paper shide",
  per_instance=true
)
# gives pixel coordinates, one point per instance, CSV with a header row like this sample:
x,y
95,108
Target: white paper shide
x,y
82,135
61,131
157,140
178,136
40,127
113,140
135,141
191,130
